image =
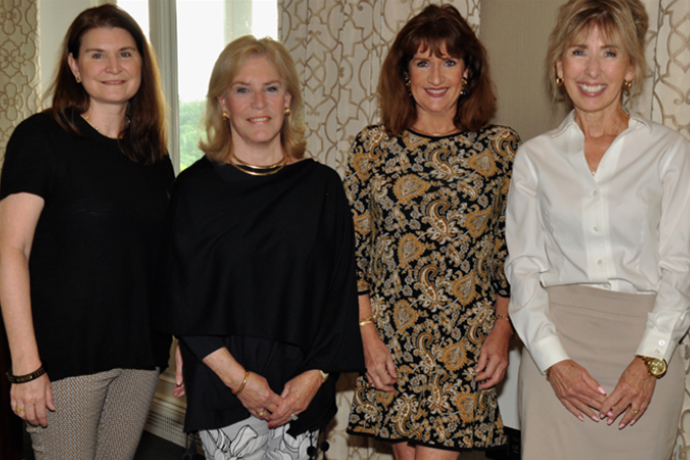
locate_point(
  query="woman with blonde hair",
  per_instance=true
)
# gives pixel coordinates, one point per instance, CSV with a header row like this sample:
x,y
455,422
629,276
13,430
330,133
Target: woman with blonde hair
x,y
259,268
598,231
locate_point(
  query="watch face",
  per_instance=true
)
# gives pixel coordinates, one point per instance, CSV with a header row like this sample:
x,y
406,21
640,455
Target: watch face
x,y
657,367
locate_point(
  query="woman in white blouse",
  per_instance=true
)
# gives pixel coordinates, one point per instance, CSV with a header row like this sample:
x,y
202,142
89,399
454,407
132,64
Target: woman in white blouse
x,y
598,232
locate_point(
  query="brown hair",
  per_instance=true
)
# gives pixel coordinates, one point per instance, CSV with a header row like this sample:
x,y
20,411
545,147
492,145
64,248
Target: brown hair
x,y
144,139
433,27
626,19
218,145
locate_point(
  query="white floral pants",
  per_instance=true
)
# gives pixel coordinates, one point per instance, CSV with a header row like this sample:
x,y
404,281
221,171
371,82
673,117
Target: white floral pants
x,y
252,439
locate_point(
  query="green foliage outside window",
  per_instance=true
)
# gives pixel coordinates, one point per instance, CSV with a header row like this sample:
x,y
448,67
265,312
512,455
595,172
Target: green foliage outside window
x,y
190,132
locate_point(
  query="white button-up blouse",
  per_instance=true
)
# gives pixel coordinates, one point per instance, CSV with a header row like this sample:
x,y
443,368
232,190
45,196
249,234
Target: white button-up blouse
x,y
627,229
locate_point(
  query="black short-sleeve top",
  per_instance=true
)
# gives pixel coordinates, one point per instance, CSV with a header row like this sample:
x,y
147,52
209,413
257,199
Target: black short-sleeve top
x,y
95,246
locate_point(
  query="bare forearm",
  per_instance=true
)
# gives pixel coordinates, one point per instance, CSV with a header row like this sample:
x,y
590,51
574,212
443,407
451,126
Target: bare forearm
x,y
15,300
226,367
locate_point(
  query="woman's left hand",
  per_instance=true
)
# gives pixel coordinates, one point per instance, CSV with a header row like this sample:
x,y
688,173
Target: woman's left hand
x,y
631,396
493,356
297,395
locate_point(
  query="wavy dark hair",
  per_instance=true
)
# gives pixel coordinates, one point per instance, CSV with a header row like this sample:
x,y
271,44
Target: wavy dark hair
x,y
434,27
144,139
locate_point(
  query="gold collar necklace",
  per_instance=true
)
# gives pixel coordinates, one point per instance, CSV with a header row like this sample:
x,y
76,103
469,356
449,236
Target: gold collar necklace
x,y
86,119
257,170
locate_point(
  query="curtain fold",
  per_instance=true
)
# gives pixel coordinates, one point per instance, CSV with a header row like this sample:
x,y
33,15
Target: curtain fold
x,y
19,65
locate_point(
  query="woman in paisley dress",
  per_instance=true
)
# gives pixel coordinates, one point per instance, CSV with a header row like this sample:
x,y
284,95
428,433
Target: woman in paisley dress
x,y
427,189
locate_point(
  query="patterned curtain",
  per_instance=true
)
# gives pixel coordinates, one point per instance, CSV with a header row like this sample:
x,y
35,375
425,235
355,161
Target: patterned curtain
x,y
339,47
666,100
19,65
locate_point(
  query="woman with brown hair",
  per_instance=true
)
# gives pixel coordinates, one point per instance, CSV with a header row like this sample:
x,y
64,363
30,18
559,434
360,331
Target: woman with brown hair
x,y
598,229
82,203
260,276
427,190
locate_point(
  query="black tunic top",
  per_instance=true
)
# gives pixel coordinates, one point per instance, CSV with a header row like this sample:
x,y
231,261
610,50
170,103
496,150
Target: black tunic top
x,y
94,249
266,265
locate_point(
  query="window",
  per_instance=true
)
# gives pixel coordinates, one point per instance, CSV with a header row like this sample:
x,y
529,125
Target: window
x,y
203,30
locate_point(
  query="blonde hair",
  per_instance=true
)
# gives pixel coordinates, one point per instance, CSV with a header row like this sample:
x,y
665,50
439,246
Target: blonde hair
x,y
626,19
218,145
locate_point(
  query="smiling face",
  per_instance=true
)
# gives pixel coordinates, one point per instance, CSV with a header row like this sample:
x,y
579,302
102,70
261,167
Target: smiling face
x,y
436,83
256,101
109,66
593,69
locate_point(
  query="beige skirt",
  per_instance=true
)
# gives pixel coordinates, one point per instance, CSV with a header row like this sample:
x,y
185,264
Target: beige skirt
x,y
600,330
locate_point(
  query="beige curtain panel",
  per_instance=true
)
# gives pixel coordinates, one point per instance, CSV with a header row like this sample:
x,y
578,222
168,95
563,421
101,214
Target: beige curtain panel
x,y
19,65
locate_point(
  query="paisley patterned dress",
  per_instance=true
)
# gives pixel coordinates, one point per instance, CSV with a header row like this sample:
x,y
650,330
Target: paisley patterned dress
x,y
429,225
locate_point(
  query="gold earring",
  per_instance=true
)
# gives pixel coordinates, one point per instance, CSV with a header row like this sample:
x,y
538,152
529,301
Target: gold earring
x,y
287,111
627,84
225,115
408,85
463,92
559,81
78,79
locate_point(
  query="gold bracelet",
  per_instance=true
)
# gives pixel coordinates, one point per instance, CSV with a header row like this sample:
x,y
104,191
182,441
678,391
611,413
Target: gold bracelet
x,y
505,317
244,382
366,320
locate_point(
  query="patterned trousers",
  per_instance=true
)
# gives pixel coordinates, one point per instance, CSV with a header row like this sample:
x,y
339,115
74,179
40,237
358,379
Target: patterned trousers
x,y
99,416
252,439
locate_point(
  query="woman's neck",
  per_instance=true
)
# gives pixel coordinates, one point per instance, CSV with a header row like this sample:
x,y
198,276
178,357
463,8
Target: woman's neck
x,y
107,121
605,123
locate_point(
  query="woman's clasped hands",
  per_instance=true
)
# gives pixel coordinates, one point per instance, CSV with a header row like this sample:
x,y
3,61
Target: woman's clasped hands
x,y
581,394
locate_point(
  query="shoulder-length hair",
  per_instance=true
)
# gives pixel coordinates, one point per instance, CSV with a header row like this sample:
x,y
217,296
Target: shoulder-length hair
x,y
218,145
144,138
433,27
626,19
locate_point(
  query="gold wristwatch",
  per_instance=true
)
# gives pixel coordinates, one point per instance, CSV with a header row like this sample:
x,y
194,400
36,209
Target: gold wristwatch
x,y
655,366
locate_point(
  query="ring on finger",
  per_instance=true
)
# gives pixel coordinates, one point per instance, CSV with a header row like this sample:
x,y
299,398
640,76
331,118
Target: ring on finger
x,y
635,411
20,410
294,417
261,413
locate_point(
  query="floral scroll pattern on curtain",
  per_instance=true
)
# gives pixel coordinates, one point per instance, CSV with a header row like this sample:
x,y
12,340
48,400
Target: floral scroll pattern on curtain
x,y
666,100
339,47
19,65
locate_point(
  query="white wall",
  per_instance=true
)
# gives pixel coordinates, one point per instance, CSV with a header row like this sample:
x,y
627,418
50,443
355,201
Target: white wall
x,y
54,18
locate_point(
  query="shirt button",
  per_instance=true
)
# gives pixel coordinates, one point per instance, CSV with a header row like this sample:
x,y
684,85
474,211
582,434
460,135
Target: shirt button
x,y
595,193
662,342
595,228
600,262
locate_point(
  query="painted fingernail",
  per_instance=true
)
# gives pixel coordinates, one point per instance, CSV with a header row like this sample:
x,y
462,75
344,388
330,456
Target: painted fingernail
x,y
609,421
582,419
602,391
595,418
621,426
633,422
602,416
610,414
270,426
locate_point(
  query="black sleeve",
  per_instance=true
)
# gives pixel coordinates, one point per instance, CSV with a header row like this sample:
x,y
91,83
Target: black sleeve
x,y
29,164
202,345
338,346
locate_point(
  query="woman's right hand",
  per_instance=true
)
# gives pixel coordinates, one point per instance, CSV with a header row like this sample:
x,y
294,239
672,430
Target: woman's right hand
x,y
578,391
378,359
257,396
30,400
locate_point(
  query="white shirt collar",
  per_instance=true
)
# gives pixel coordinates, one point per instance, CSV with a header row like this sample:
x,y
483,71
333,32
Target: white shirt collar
x,y
569,123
